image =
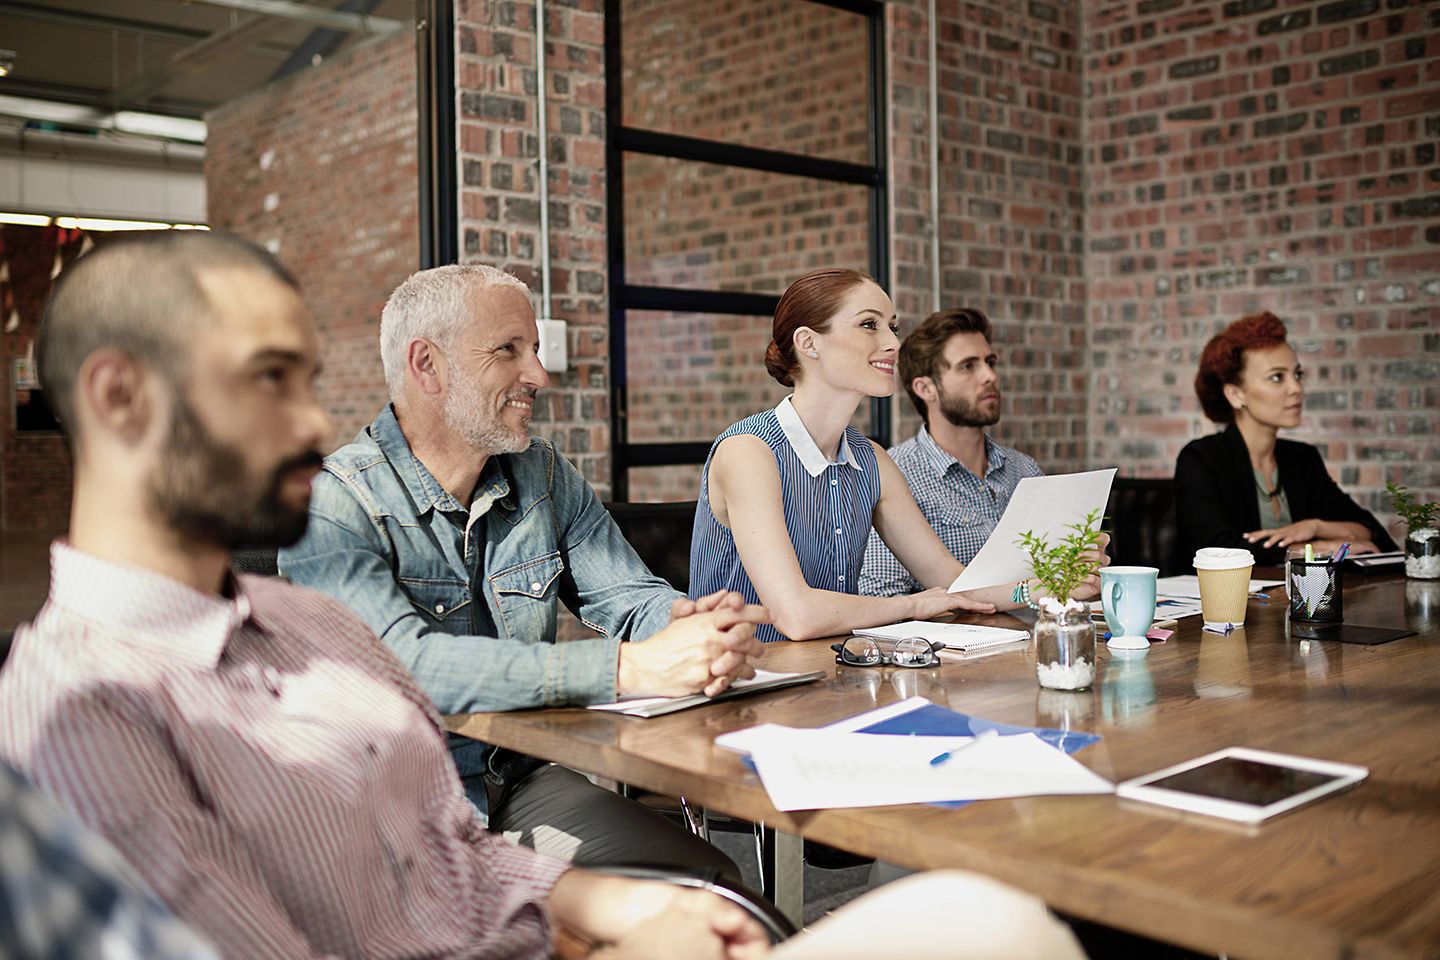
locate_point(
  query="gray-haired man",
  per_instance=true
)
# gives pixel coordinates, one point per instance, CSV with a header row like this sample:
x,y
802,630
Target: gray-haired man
x,y
457,536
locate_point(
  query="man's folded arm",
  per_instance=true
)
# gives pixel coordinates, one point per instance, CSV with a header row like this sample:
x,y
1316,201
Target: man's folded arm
x,y
461,673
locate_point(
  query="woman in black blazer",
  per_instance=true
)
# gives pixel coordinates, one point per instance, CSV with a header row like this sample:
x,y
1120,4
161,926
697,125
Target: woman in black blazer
x,y
1244,487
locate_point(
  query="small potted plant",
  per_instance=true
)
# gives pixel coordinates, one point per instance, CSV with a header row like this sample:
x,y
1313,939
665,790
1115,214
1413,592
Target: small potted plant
x,y
1064,635
1422,539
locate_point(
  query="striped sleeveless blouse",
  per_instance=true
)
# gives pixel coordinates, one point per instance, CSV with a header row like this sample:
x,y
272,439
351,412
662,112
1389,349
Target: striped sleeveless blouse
x,y
828,506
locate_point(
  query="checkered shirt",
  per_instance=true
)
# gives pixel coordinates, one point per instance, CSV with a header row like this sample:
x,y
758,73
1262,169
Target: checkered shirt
x,y
961,507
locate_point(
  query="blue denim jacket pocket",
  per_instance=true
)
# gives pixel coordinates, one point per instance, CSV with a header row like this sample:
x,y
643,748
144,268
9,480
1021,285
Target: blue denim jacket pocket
x,y
526,596
444,603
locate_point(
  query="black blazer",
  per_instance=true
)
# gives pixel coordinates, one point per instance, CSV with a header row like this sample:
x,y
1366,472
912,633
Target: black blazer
x,y
1215,495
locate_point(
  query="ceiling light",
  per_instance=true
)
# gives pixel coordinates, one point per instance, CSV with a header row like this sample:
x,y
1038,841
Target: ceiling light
x,y
7,62
95,223
25,219
155,125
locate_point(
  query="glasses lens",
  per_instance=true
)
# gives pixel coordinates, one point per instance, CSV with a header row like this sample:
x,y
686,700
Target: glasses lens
x,y
913,652
860,650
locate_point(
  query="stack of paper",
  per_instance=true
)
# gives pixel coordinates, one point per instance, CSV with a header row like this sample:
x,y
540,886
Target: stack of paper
x,y
820,769
659,706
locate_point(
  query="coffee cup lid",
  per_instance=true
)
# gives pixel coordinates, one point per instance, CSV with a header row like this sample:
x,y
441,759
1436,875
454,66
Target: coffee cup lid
x,y
1223,558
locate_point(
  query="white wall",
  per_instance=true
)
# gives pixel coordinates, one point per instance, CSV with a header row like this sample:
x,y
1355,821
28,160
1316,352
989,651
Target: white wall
x,y
74,175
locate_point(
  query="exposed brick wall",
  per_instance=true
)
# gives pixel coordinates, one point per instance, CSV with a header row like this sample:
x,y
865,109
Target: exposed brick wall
x,y
34,468
499,193
1261,155
321,168
769,73
1011,201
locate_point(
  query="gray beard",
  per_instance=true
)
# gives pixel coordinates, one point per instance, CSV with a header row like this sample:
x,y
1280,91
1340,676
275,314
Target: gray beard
x,y
485,434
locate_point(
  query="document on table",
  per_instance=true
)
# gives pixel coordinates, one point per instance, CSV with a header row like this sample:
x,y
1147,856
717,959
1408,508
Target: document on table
x,y
659,706
1190,587
1045,506
821,769
955,636
1166,607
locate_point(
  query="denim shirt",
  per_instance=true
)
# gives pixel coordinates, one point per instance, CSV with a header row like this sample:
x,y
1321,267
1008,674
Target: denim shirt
x,y
468,596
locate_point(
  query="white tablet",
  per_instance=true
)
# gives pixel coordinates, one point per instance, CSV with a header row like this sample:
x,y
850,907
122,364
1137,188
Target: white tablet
x,y
1243,784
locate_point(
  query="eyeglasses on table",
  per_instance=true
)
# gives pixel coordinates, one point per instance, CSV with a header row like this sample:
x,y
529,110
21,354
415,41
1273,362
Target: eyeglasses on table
x,y
870,652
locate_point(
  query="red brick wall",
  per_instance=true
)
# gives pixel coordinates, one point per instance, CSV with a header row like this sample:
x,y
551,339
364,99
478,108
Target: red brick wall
x,y
1011,200
1261,155
34,468
499,192
776,74
321,167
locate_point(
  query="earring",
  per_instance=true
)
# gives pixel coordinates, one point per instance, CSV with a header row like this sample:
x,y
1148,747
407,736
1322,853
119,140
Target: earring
x,y
1241,407
813,354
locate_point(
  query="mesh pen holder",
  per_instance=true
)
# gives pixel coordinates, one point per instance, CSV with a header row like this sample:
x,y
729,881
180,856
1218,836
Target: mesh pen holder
x,y
1315,592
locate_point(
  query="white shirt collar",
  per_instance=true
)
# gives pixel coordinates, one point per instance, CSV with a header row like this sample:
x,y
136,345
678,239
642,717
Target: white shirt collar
x,y
148,610
804,445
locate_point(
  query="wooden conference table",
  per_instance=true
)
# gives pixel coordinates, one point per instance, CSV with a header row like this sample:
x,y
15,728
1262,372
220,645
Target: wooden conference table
x,y
1356,875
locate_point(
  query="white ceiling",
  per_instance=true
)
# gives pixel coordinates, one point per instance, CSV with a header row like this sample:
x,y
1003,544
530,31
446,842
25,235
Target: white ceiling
x,y
175,57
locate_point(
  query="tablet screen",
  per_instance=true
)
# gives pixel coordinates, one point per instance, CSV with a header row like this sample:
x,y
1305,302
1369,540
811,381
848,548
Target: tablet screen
x,y
1244,781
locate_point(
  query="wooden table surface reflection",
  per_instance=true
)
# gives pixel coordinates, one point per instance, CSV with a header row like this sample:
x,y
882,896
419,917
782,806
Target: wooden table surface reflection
x,y
1356,875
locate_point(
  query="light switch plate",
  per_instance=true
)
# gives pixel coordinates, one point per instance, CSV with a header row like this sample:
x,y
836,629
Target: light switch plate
x,y
554,354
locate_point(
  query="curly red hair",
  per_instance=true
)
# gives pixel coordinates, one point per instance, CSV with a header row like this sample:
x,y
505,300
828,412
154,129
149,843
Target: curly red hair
x,y
1223,360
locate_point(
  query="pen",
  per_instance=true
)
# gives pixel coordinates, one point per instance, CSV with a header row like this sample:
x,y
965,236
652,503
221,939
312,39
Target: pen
x,y
1309,553
1340,554
982,735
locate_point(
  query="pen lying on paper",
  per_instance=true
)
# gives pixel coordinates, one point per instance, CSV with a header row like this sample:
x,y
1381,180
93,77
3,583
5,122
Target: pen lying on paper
x,y
982,735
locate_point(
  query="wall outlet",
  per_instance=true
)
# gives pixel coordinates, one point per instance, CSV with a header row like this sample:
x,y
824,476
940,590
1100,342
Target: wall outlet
x,y
554,354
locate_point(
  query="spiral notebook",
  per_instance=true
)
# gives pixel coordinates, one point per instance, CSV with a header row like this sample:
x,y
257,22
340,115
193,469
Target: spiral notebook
x,y
965,637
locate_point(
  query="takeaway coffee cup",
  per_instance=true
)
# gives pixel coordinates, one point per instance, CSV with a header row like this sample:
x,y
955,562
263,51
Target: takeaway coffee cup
x,y
1224,585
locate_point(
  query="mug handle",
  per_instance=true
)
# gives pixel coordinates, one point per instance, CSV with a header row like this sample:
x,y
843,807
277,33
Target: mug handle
x,y
1116,589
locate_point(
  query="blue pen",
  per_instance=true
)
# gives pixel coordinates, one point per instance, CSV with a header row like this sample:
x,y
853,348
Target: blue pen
x,y
1340,554
983,735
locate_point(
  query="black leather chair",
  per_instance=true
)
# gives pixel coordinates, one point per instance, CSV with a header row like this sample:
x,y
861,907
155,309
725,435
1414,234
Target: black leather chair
x,y
660,534
1142,525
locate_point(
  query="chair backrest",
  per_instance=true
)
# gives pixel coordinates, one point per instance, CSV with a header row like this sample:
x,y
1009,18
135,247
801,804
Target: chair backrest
x,y
261,560
1142,525
6,639
660,534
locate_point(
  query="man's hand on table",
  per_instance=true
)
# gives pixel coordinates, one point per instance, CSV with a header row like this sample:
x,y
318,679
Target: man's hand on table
x,y
709,643
623,919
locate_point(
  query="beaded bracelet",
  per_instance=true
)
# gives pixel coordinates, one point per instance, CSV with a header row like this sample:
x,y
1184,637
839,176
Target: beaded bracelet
x,y
1021,594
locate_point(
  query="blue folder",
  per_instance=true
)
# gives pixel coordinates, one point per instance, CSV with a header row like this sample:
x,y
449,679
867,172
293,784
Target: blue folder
x,y
933,720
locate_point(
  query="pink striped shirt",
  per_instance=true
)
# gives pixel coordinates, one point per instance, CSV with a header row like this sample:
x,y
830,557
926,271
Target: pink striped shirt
x,y
266,765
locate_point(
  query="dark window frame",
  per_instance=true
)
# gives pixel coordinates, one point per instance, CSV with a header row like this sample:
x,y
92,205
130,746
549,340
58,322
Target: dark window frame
x,y
624,297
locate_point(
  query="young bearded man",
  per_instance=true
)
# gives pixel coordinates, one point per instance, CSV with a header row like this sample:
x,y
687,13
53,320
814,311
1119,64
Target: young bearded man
x,y
457,537
961,478
268,767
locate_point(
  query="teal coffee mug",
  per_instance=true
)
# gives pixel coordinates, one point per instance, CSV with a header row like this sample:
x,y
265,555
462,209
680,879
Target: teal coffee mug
x,y
1127,595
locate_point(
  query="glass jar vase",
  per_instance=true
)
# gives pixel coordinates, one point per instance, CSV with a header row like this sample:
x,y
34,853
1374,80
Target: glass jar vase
x,y
1064,646
1422,554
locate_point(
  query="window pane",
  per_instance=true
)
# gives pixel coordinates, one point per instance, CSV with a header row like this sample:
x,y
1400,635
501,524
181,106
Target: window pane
x,y
778,74
690,375
665,484
712,227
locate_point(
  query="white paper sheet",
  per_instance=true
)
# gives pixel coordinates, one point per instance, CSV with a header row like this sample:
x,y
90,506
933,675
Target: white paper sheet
x,y
956,636
1166,607
1190,586
1046,506
821,769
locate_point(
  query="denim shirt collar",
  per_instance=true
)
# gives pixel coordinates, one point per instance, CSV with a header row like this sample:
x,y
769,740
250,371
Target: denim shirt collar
x,y
421,484
940,461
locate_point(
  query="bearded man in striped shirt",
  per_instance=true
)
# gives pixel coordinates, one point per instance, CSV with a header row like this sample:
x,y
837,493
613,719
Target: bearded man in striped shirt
x,y
267,766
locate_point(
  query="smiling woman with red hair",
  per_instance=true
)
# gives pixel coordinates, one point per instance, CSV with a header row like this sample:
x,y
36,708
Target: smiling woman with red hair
x,y
1244,487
